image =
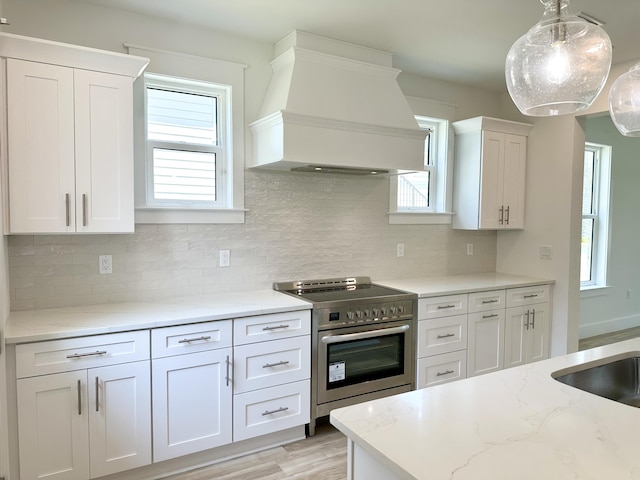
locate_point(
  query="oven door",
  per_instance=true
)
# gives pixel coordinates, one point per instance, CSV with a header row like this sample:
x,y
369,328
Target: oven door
x,y
357,360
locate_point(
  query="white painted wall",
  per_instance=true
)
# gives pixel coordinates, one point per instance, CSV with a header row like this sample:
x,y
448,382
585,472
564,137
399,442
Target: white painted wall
x,y
611,310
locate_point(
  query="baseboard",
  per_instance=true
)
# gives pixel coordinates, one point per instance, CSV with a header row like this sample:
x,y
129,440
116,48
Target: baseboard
x,y
609,326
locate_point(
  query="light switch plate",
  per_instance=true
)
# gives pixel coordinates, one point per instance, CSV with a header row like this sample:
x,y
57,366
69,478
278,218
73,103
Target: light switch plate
x,y
546,252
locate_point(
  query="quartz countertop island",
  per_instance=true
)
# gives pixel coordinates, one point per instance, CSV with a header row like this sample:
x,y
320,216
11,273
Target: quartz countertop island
x,y
518,423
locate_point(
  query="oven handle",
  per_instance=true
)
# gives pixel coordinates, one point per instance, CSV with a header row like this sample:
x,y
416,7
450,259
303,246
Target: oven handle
x,y
362,335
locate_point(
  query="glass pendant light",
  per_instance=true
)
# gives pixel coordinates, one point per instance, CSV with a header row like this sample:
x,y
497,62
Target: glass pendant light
x,y
560,65
624,102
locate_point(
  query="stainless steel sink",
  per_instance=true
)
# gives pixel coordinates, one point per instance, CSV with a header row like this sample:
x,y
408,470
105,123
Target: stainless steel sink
x,y
617,379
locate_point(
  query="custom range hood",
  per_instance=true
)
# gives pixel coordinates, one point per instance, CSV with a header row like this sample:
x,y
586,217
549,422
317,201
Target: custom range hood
x,y
333,106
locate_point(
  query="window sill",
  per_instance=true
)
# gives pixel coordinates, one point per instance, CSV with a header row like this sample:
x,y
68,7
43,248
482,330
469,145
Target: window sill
x,y
594,291
420,218
175,215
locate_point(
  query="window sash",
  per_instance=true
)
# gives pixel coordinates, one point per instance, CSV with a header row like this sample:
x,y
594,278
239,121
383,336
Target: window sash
x,y
411,195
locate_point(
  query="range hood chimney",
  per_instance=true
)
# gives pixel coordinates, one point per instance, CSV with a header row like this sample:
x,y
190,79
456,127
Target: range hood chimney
x,y
337,107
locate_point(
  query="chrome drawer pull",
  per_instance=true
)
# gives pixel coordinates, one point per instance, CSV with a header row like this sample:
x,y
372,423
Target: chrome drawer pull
x,y
534,295
495,300
281,409
440,374
66,206
277,327
533,319
442,307
447,335
490,316
79,398
97,395
189,340
80,355
227,378
84,209
527,322
269,365
507,212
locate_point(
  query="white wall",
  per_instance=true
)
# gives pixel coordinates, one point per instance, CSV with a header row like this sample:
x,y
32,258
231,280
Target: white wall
x,y
609,309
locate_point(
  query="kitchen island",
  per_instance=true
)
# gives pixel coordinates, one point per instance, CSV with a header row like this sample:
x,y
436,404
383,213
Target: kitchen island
x,y
518,423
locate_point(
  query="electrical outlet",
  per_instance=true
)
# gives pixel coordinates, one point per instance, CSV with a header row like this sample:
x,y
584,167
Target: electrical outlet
x,y
225,257
469,248
105,264
400,250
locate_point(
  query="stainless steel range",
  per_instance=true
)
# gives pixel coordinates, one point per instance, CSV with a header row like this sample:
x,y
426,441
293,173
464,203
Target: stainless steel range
x,y
362,341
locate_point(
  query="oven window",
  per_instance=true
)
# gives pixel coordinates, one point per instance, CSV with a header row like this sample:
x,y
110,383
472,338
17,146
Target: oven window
x,y
359,361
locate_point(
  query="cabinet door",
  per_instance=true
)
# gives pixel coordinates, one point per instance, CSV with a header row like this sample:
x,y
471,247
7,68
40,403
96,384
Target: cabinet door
x,y
40,147
192,401
539,329
53,427
492,174
515,157
486,339
119,417
515,332
104,152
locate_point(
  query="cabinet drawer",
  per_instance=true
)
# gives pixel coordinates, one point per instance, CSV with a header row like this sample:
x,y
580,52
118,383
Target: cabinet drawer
x,y
435,307
441,369
517,297
483,301
442,335
65,355
197,337
266,364
268,327
270,410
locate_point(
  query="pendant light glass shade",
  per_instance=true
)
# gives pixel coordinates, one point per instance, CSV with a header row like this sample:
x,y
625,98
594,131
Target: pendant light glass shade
x,y
624,102
560,65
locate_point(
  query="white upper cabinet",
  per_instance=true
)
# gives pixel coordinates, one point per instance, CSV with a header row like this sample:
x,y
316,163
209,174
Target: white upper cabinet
x,y
70,139
489,179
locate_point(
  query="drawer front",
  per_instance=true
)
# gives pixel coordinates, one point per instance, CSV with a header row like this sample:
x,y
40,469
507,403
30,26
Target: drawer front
x,y
517,297
269,327
69,354
447,306
270,410
197,337
484,301
444,368
442,335
266,364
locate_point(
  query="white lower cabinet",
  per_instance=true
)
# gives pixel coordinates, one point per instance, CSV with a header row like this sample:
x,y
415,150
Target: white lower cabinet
x,y
83,423
486,342
527,334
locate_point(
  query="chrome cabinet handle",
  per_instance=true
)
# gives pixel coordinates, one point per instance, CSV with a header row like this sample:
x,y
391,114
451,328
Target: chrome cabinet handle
x,y
227,375
97,394
442,307
276,327
527,322
495,300
84,209
490,316
79,398
533,295
533,319
204,338
507,212
271,412
447,335
67,204
269,365
439,374
362,335
90,354
501,219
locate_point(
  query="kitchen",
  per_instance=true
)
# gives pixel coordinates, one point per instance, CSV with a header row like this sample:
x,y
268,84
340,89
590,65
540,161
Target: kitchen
x,y
291,216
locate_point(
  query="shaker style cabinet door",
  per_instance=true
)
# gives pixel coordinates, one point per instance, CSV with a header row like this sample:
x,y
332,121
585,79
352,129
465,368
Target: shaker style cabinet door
x,y
54,433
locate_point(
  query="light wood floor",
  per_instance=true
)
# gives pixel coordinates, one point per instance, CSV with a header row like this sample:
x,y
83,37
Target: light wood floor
x,y
321,457
607,338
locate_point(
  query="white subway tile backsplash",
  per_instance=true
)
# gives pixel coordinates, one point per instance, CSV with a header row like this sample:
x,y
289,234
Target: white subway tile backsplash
x,y
298,225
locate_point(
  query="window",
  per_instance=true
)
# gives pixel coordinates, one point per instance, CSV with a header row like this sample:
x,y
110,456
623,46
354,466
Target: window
x,y
189,139
595,213
423,197
187,144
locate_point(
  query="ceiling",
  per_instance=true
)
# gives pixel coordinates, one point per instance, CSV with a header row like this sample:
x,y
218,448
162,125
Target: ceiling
x,y
464,41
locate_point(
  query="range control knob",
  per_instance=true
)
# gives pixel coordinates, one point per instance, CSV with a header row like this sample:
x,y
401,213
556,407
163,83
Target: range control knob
x,y
350,315
394,310
375,312
384,311
359,314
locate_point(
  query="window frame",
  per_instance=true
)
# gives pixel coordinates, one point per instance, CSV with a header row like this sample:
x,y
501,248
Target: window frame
x,y
221,149
601,184
441,151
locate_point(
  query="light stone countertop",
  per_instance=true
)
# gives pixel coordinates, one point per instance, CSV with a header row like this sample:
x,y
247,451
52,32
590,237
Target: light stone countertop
x,y
454,284
517,423
65,322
